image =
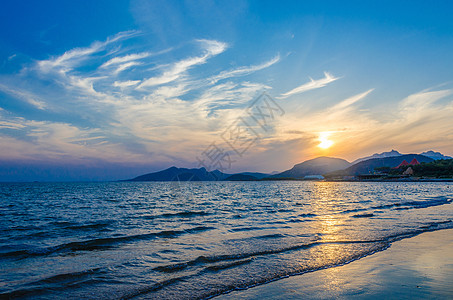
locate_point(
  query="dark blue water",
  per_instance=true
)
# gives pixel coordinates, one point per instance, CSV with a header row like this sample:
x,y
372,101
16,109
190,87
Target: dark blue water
x,y
197,240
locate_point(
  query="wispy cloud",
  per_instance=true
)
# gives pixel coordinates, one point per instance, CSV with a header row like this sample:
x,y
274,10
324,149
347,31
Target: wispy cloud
x,y
350,101
313,84
177,69
121,63
120,109
57,141
125,84
242,71
413,124
72,58
26,96
11,125
419,102
124,59
122,104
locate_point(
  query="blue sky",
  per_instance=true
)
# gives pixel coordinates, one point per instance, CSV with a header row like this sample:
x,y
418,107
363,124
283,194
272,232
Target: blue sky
x,y
104,90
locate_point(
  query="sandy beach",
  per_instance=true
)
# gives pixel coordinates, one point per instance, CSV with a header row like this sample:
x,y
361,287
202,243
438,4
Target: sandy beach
x,y
420,267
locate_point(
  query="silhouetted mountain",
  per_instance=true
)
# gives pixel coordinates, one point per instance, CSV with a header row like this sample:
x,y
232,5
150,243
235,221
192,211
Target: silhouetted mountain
x,y
241,177
317,166
326,166
257,175
435,155
392,153
368,166
182,174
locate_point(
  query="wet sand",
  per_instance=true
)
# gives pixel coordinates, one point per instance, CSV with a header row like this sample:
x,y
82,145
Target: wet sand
x,y
420,267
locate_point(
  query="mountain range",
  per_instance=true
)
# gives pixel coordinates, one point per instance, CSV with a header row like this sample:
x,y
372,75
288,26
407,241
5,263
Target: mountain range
x,y
368,166
317,166
328,166
182,174
394,153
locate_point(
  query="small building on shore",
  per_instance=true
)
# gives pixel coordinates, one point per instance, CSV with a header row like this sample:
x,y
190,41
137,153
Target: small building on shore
x,y
409,172
414,162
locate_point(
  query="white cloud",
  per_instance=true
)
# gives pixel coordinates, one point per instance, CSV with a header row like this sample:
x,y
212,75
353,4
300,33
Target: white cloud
x,y
244,70
72,58
85,85
213,47
125,84
177,69
169,92
142,109
313,84
414,124
11,125
350,101
59,141
124,59
416,103
27,96
126,66
154,120
228,95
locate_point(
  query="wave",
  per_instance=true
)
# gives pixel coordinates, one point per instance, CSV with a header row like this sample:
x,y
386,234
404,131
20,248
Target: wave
x,y
57,282
184,214
247,228
224,266
243,284
376,246
269,236
436,201
201,260
215,264
152,288
101,224
363,215
307,215
171,268
102,243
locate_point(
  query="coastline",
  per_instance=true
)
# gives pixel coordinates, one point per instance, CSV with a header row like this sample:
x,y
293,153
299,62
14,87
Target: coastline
x,y
417,267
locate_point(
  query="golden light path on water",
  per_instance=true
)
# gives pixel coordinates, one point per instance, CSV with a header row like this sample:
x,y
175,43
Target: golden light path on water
x,y
324,199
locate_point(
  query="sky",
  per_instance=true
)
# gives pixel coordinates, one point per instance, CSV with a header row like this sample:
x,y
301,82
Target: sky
x,y
108,90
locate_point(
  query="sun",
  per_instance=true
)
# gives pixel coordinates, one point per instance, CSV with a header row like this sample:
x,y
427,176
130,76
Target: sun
x,y
325,143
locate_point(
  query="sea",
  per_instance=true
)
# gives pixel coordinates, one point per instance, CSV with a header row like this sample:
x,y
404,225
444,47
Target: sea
x,y
197,240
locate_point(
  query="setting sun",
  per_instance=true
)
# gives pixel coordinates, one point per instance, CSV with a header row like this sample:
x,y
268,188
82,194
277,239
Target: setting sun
x,y
325,143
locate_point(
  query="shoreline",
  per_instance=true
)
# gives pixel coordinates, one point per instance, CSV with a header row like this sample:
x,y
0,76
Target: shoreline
x,y
417,267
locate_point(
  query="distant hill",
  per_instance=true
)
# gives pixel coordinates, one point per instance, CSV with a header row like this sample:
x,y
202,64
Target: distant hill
x,y
392,153
257,175
395,153
241,177
368,166
435,155
327,166
182,174
317,166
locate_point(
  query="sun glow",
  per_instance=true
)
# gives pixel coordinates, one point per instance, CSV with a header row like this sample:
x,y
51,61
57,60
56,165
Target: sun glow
x,y
325,143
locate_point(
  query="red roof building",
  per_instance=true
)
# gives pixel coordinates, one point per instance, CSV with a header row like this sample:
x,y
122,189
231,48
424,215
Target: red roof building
x,y
402,164
414,162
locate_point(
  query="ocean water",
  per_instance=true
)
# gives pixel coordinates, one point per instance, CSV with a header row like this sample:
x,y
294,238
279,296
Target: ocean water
x,y
160,240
